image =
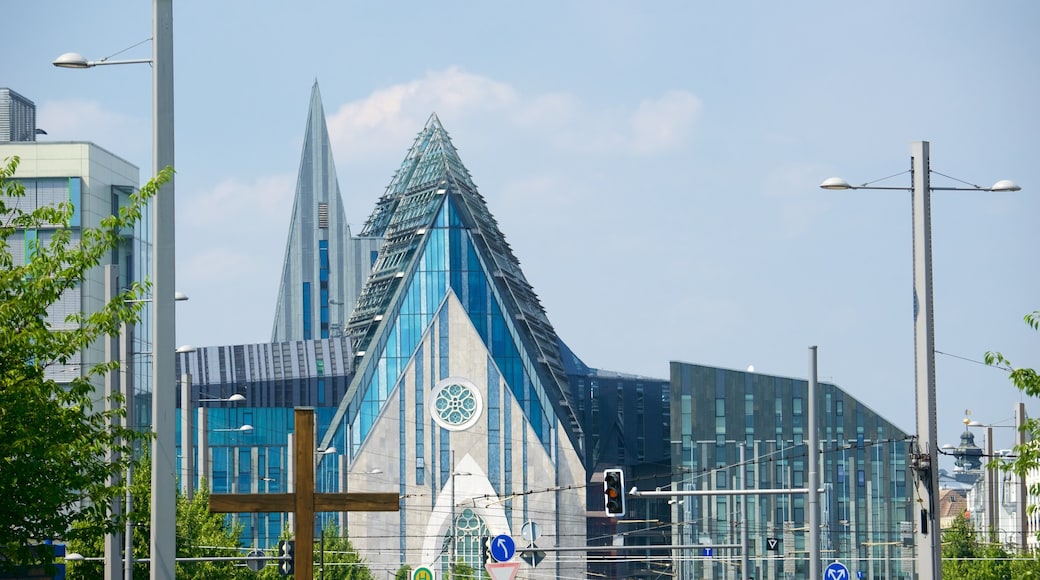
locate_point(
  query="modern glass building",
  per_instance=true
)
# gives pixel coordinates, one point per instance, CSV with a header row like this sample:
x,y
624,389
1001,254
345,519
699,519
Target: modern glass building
x,y
734,430
449,386
451,390
325,266
273,379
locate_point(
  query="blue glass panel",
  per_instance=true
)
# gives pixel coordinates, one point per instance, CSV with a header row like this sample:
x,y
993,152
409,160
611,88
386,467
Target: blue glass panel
x,y
75,195
306,310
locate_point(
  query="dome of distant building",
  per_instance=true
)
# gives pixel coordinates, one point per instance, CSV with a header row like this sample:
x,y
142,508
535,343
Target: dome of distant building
x,y
969,456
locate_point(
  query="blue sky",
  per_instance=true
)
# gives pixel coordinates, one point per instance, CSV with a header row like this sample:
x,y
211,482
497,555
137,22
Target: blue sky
x,y
653,165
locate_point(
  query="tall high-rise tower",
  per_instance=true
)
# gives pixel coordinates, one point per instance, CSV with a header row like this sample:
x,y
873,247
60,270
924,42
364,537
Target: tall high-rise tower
x,y
324,266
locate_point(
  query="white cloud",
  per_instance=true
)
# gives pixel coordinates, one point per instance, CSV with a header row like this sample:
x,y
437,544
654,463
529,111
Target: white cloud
x,y
664,123
233,202
390,117
81,120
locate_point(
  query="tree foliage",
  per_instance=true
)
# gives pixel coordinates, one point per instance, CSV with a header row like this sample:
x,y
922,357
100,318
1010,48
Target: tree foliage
x,y
966,557
199,534
55,437
335,558
1027,456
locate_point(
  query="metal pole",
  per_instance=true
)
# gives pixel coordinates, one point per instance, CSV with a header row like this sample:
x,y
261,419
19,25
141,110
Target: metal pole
x,y
745,561
1023,489
925,460
991,488
113,541
127,380
814,483
187,448
164,477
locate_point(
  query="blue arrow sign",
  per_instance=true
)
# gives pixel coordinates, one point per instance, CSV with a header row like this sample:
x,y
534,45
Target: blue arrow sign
x,y
836,571
502,548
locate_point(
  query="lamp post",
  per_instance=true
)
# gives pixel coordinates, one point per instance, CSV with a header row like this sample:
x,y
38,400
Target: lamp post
x,y
164,507
187,445
923,459
1022,488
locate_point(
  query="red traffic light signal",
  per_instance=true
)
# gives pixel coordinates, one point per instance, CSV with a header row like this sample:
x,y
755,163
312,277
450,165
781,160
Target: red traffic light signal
x,y
614,492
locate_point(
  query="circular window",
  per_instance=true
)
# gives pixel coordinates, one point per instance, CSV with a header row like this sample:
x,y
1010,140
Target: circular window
x,y
456,404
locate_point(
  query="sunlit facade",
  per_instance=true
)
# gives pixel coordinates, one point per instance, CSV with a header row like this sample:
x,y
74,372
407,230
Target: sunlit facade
x,y
866,508
97,183
324,266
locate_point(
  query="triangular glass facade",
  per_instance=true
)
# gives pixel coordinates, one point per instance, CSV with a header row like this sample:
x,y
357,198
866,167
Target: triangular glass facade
x,y
438,237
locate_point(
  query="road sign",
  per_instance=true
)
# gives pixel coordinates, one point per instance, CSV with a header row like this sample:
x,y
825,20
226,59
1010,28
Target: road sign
x,y
836,571
423,573
530,530
772,544
706,552
502,570
532,555
502,548
256,565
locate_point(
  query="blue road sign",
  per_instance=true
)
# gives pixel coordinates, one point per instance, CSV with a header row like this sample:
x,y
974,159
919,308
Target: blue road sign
x,y
706,552
502,548
836,571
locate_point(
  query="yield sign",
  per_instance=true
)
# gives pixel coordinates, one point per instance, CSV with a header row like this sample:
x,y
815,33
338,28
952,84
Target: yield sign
x,y
502,570
772,544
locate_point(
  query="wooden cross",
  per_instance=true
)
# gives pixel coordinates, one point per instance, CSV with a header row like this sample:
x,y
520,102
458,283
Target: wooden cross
x,y
304,502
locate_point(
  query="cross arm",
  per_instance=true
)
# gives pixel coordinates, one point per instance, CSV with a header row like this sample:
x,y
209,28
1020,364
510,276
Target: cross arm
x,y
356,502
252,502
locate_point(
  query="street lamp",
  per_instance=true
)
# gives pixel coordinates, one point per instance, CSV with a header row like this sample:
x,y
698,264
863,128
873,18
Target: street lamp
x,y
1022,491
923,458
164,493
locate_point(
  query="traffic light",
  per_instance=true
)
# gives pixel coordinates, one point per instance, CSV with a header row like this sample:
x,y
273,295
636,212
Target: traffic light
x,y
485,550
286,551
614,492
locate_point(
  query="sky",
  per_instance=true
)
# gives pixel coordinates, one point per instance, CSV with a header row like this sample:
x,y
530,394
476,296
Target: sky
x,y
654,165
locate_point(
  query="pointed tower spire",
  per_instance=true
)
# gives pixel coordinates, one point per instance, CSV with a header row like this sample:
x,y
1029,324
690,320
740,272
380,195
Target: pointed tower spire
x,y
322,273
441,245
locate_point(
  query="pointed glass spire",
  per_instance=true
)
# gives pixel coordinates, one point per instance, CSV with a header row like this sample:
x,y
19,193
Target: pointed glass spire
x,y
440,237
322,273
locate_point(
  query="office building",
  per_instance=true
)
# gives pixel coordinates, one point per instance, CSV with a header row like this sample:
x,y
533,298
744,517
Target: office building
x,y
17,117
97,183
324,266
734,429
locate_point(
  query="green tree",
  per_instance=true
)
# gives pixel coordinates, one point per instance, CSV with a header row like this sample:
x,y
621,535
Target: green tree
x,y
55,438
200,534
965,558
341,560
1027,457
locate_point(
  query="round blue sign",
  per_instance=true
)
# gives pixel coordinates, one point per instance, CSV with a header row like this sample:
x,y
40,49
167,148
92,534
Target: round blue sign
x,y
836,571
502,548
